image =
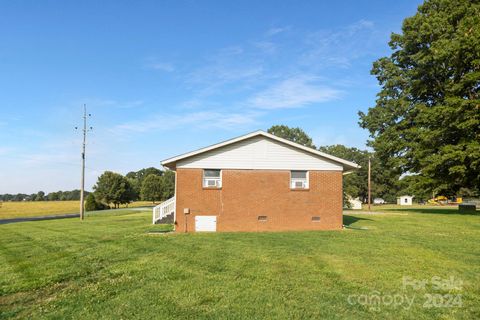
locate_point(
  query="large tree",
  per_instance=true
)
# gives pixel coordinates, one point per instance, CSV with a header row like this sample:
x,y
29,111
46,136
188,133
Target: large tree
x,y
427,115
168,182
152,188
293,134
136,178
113,188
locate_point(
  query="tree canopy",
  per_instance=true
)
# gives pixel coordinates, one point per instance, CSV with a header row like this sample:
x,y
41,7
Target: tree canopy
x,y
143,173
136,179
113,188
152,188
293,134
427,115
52,196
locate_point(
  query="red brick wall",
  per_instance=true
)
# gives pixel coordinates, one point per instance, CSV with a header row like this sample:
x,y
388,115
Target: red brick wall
x,y
247,194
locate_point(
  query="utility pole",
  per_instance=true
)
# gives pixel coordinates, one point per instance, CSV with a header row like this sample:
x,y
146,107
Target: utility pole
x,y
369,184
82,180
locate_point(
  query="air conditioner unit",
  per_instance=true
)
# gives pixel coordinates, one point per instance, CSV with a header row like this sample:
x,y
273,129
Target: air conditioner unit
x,y
212,183
299,184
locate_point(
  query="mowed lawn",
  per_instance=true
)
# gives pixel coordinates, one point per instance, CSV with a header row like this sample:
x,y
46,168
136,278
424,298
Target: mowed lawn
x,y
108,267
18,209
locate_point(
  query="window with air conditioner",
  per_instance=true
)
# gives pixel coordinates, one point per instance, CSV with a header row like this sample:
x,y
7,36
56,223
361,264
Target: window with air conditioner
x,y
212,178
299,179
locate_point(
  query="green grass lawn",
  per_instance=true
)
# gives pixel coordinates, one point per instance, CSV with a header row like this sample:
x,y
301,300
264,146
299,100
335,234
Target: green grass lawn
x,y
109,267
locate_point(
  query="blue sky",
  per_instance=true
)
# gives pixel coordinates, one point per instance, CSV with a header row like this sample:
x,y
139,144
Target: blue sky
x,y
165,77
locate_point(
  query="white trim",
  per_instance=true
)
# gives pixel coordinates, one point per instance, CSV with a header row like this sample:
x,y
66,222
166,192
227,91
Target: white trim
x,y
171,162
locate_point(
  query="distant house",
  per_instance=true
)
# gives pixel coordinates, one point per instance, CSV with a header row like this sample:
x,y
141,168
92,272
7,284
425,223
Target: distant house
x,y
255,182
378,201
405,200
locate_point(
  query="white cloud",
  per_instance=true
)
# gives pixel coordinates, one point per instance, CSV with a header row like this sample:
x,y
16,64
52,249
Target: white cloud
x,y
257,63
338,48
109,103
57,158
224,74
154,63
230,51
276,30
228,69
5,150
362,24
162,66
167,122
267,47
293,93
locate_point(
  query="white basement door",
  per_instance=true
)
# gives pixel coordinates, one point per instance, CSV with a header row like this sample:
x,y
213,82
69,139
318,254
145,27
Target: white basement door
x,y
205,223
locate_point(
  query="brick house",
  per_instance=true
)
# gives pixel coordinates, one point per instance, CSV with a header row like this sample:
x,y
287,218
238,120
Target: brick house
x,y
256,182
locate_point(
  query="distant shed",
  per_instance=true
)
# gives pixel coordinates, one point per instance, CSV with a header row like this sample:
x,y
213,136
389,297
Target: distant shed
x,y
405,200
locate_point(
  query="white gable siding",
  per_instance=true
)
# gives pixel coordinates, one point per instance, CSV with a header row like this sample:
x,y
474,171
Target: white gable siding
x,y
259,153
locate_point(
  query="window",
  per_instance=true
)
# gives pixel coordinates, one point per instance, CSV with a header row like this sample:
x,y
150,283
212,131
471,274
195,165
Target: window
x,y
299,179
262,218
315,219
212,178
406,201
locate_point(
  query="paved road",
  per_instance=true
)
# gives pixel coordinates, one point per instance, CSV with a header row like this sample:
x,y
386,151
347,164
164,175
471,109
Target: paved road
x,y
63,216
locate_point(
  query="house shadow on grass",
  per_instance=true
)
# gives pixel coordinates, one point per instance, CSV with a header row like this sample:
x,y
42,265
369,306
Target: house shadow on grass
x,y
432,211
349,220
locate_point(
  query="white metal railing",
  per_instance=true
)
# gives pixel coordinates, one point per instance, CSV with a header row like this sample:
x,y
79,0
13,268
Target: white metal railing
x,y
164,209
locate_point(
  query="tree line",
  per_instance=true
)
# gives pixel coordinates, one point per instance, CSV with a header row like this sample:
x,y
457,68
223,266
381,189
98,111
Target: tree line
x,y
42,196
114,189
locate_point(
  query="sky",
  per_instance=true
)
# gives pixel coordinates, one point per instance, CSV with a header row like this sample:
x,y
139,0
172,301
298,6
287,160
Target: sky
x,y
161,78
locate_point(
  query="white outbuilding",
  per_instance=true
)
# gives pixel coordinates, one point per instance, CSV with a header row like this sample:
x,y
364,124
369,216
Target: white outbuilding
x,y
405,200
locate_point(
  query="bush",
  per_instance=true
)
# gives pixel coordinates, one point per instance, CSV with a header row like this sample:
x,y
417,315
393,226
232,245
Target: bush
x,y
91,204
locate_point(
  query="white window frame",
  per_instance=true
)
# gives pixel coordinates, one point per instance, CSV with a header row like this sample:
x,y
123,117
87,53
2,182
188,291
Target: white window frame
x,y
217,181
305,182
